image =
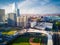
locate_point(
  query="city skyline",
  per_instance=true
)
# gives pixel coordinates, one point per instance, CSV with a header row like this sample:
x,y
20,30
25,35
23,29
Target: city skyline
x,y
29,22
32,6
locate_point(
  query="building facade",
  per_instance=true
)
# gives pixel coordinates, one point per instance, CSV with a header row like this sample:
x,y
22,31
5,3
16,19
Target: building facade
x,y
2,15
12,19
18,12
22,21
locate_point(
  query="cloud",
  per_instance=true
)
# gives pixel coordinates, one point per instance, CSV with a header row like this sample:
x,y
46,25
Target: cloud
x,y
34,7
10,8
33,3
41,10
38,7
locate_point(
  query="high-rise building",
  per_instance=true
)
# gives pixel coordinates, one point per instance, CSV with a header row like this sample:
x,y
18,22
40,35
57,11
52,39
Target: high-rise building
x,y
2,15
22,21
12,19
17,11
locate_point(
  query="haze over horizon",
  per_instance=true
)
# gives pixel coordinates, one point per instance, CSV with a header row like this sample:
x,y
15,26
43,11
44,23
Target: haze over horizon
x,y
32,6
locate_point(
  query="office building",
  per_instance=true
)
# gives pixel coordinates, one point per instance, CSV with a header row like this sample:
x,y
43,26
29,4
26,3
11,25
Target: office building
x,y
2,15
18,12
12,19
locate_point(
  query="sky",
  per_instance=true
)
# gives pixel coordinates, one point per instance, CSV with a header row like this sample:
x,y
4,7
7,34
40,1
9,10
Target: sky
x,y
32,6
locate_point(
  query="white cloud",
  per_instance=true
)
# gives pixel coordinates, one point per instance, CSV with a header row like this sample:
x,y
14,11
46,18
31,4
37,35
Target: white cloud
x,y
30,7
42,10
33,7
33,3
10,8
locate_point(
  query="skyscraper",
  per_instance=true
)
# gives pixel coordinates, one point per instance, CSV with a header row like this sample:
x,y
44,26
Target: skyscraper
x,y
17,11
12,19
2,15
22,21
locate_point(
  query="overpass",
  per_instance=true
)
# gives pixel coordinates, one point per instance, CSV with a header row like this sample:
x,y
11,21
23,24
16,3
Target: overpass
x,y
50,42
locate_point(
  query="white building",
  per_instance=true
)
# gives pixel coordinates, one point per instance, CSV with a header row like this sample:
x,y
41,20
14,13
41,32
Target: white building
x,y
22,21
33,24
49,25
44,25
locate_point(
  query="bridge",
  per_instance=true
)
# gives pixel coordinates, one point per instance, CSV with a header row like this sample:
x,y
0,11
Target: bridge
x,y
50,42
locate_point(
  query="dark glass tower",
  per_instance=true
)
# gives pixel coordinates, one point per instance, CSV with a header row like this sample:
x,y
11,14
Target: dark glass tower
x,y
17,11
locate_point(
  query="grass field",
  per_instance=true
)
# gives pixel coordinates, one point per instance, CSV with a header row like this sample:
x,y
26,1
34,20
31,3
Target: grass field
x,y
9,32
21,41
36,40
24,41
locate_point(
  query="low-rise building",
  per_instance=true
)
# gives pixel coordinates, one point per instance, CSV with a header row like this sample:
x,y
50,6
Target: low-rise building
x,y
44,25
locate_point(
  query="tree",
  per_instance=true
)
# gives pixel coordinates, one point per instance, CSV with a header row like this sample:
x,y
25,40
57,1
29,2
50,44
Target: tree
x,y
58,24
55,27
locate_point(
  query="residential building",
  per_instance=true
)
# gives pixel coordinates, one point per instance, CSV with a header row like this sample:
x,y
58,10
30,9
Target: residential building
x,y
22,21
